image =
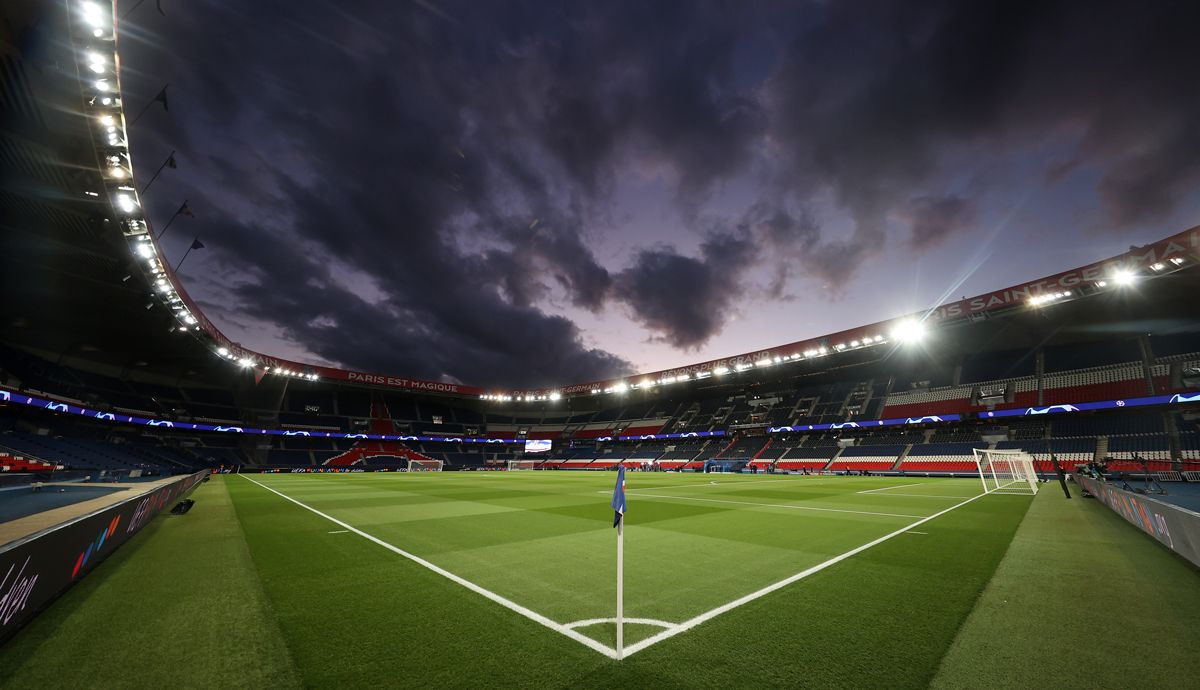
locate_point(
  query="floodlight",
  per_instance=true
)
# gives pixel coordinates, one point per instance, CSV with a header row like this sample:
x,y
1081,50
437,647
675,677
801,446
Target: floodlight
x,y
125,202
145,250
909,331
1177,260
556,395
223,352
1124,277
1157,266
92,14
721,370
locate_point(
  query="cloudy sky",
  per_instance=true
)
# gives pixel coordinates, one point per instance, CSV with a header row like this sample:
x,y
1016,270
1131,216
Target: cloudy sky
x,y
538,193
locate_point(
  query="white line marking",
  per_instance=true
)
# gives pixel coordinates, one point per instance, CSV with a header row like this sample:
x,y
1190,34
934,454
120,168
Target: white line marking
x,y
952,498
339,531
709,615
640,621
506,603
912,532
769,481
886,488
769,505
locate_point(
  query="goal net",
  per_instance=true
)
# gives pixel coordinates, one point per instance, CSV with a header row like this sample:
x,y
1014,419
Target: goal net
x,y
424,465
521,464
1006,471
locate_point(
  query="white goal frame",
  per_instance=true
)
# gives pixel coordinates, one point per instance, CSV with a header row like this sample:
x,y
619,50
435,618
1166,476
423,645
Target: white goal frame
x,y
514,465
1006,471
430,465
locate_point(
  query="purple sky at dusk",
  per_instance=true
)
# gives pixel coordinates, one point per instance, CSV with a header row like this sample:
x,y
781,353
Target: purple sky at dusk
x,y
548,193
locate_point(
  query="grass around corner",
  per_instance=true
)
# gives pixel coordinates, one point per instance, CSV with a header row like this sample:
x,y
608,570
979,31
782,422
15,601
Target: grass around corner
x,y
252,590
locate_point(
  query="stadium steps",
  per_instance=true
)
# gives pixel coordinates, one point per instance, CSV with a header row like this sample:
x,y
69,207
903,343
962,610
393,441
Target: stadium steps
x,y
1147,363
770,441
1176,442
834,459
904,453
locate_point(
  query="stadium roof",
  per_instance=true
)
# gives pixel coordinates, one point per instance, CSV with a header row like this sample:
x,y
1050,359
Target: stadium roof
x,y
86,274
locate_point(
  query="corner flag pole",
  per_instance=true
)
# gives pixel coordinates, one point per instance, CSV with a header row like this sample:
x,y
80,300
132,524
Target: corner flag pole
x,y
621,590
618,506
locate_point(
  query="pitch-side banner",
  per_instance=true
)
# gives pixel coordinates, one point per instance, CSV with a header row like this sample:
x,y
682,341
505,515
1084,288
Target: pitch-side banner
x,y
35,570
1176,528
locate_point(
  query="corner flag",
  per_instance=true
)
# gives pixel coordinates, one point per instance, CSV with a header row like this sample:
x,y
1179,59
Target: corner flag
x,y
618,502
618,506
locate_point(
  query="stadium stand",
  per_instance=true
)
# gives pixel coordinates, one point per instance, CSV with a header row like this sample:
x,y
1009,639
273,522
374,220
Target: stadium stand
x,y
941,457
869,457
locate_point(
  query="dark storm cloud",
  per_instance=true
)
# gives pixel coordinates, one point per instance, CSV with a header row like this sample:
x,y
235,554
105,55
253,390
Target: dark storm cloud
x,y
933,219
885,102
422,192
686,300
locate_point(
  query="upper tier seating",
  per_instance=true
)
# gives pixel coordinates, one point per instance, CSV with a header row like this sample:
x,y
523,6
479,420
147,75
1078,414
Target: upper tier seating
x,y
1109,383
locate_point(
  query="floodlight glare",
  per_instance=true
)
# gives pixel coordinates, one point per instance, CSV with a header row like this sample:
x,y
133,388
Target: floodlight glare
x,y
1124,277
909,331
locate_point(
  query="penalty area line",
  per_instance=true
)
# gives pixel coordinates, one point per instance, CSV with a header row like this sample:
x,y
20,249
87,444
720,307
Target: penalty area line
x,y
709,615
885,488
768,505
486,593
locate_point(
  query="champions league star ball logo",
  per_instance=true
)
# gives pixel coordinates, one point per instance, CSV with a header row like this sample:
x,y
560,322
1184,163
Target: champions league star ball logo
x,y
1052,409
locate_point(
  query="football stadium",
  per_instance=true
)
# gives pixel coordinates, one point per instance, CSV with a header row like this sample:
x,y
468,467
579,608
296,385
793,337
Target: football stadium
x,y
997,490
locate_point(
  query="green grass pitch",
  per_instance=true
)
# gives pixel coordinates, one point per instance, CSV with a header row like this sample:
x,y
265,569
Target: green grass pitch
x,y
506,579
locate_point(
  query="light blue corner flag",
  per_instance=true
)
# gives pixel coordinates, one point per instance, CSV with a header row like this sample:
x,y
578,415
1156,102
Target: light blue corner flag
x,y
618,502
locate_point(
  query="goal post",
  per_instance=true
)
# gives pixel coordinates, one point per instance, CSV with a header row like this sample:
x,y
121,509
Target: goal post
x,y
1006,471
522,464
424,465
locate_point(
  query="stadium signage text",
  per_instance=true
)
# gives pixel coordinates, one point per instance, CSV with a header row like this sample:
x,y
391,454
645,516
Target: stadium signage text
x,y
398,382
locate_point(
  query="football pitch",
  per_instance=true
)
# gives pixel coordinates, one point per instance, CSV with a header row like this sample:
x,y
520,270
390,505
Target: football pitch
x,y
508,579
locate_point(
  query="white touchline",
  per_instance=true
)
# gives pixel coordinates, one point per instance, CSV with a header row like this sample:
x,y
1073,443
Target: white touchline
x,y
709,615
339,531
912,532
951,498
886,488
506,603
768,505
